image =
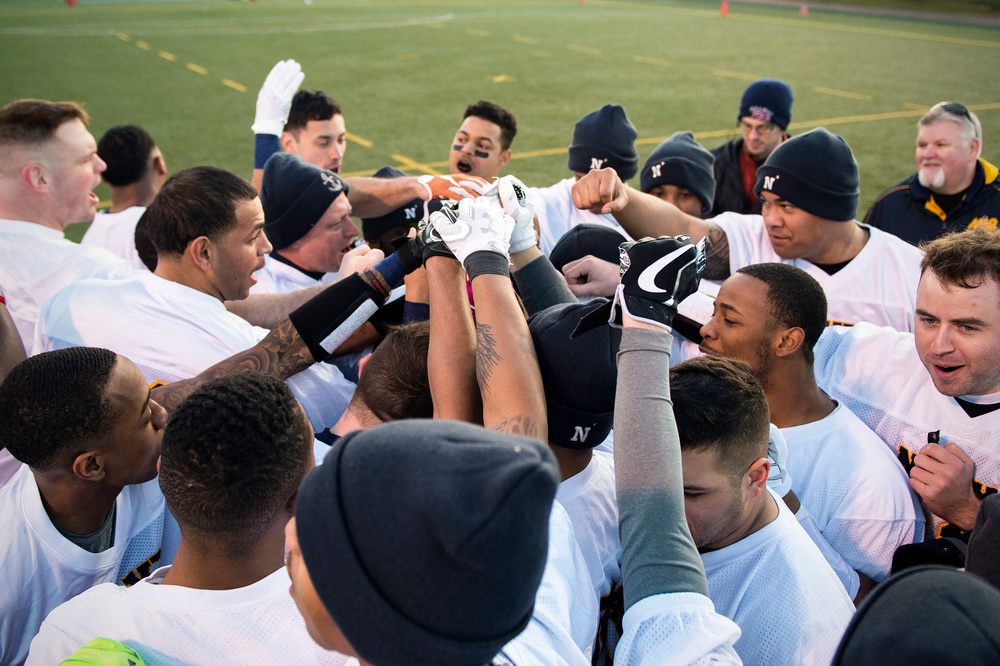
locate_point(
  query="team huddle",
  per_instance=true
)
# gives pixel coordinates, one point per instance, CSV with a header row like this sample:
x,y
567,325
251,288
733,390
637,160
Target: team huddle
x,y
710,419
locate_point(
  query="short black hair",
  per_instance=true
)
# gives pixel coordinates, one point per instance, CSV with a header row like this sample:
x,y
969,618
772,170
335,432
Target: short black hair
x,y
200,201
310,105
55,405
233,454
394,383
794,298
719,404
126,150
497,115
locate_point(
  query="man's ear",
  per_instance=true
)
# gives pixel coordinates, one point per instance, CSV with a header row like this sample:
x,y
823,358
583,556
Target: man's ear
x,y
791,341
36,177
362,362
89,466
201,251
159,165
289,143
755,479
504,157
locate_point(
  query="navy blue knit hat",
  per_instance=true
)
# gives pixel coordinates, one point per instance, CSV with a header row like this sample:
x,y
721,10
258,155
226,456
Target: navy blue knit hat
x,y
426,540
767,100
683,162
294,196
816,172
580,373
409,214
604,138
583,239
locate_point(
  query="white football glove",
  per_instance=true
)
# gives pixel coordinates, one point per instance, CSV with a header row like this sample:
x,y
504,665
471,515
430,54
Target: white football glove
x,y
479,226
274,100
513,198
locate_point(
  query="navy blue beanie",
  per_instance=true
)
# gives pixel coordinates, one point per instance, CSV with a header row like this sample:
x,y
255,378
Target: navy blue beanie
x,y
769,101
683,162
604,138
294,196
409,214
816,172
596,239
426,539
580,373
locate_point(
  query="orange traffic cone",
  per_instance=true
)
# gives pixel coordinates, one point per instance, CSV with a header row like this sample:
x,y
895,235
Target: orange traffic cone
x,y
724,8
803,11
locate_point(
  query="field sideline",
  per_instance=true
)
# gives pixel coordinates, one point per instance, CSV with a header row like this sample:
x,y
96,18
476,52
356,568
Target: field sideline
x,y
404,71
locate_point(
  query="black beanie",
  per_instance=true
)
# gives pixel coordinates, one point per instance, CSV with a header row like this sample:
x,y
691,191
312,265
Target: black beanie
x,y
926,615
769,101
604,138
579,373
294,196
816,172
587,238
683,162
983,556
409,214
426,540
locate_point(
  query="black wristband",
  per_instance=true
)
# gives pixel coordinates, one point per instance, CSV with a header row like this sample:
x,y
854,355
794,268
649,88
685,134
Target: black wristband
x,y
485,262
328,319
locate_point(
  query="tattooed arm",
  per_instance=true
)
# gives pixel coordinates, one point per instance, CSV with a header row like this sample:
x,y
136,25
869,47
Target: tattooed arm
x,y
451,353
506,365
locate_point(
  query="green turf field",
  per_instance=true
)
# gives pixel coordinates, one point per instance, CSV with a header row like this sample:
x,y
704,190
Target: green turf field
x,y
404,71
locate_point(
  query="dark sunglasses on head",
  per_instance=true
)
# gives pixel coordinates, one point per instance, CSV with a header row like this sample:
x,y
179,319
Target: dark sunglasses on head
x,y
956,109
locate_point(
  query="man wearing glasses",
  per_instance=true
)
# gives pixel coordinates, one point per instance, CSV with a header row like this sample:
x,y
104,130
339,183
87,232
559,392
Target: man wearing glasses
x,y
765,111
953,188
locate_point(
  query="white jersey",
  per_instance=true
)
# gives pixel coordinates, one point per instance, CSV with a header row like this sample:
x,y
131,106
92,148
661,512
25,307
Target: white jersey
x,y
171,331
879,285
901,404
278,277
42,568
848,576
564,621
36,262
776,585
589,499
856,491
676,630
557,214
115,232
171,624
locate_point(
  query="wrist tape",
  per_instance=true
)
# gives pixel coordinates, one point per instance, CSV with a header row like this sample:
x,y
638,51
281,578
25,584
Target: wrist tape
x,y
328,319
486,262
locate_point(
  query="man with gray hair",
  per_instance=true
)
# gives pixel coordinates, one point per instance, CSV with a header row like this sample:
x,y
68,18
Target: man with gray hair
x,y
953,188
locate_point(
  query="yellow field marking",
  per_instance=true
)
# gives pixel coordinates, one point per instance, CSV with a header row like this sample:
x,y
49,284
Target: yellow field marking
x,y
735,75
584,49
545,152
842,93
407,164
651,61
916,107
526,40
167,55
436,26
197,69
122,36
358,140
503,78
235,86
477,32
142,45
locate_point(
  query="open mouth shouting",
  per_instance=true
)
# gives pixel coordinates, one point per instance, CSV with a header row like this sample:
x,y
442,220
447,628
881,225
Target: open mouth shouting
x,y
464,165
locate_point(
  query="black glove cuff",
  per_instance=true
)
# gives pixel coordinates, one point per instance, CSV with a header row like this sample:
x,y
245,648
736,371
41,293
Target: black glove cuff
x,y
485,262
328,319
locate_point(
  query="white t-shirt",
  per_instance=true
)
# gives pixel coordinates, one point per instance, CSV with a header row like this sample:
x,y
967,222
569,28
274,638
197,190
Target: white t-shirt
x,y
557,214
564,621
279,278
856,491
171,331
776,585
42,568
115,232
877,374
675,630
171,624
589,499
879,285
36,262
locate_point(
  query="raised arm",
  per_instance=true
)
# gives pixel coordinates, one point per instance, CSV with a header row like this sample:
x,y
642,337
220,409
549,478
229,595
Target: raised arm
x,y
506,367
274,101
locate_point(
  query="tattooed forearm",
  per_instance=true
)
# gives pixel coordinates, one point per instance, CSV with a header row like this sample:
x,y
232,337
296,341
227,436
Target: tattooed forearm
x,y
487,356
281,354
717,266
517,425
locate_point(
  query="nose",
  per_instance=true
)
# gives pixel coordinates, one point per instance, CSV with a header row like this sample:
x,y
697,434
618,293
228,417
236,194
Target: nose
x,y
265,245
708,330
942,343
101,166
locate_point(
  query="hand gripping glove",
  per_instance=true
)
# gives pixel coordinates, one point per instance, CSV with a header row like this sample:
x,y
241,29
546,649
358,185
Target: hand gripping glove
x,y
456,186
512,196
274,100
428,237
479,236
657,274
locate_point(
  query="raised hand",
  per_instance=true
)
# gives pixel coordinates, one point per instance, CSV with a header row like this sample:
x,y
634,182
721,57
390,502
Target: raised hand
x,y
274,100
